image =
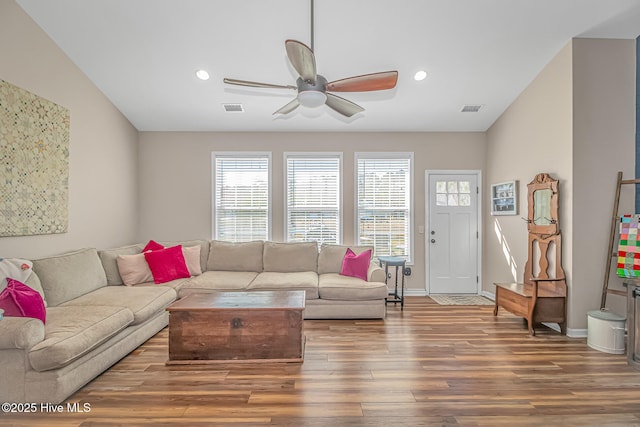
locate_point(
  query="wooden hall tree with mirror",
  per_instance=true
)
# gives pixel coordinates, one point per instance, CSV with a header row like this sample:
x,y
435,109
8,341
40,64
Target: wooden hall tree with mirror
x,y
542,295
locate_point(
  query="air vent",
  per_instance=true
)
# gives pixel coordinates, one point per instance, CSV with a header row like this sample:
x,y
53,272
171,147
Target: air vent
x,y
470,108
233,108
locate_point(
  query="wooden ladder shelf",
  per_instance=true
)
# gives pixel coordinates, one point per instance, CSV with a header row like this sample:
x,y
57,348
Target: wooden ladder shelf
x,y
613,255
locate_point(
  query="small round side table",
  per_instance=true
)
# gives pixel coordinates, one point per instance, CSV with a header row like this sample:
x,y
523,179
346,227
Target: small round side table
x,y
399,264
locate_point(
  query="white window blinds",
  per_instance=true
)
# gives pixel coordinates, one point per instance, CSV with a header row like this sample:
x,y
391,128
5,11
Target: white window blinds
x,y
384,204
313,198
241,208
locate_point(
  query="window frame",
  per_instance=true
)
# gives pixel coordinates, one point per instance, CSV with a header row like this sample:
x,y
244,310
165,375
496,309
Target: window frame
x,y
391,155
285,179
241,154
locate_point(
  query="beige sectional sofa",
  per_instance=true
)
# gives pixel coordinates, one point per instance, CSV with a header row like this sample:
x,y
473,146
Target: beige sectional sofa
x,y
93,320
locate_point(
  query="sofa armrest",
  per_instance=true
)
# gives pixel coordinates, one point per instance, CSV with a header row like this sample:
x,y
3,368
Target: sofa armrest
x,y
20,332
375,273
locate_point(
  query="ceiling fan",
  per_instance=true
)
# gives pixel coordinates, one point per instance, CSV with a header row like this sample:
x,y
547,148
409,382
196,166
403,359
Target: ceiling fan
x,y
314,90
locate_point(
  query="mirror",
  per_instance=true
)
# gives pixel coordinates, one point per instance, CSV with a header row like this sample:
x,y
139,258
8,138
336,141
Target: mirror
x,y
543,205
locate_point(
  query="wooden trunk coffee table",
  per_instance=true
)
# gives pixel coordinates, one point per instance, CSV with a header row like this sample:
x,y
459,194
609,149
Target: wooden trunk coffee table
x,y
214,327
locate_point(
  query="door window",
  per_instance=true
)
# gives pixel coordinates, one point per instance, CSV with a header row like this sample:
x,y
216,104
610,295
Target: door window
x,y
453,193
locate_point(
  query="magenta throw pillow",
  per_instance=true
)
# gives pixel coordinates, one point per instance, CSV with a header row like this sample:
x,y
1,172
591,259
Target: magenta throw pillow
x,y
356,265
152,245
167,264
19,300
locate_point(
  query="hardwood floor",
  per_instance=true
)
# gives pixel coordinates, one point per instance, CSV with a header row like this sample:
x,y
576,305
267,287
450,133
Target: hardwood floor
x,y
428,365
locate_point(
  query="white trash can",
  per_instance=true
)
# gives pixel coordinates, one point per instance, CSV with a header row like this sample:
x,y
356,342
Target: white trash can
x,y
605,331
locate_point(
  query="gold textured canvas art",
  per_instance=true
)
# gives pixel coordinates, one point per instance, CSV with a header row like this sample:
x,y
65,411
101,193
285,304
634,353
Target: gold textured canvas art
x,y
34,164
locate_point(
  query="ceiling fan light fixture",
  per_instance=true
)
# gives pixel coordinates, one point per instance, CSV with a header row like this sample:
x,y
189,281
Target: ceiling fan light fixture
x,y
311,98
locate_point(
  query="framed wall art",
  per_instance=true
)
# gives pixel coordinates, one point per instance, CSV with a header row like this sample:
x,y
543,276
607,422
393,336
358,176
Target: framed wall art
x,y
34,163
504,198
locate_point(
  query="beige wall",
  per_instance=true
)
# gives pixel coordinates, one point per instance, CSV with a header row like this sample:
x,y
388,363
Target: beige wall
x,y
603,144
103,155
576,122
175,175
532,136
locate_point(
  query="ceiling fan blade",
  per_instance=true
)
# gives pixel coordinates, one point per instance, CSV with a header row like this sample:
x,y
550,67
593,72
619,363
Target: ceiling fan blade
x,y
289,107
365,83
257,84
342,106
302,59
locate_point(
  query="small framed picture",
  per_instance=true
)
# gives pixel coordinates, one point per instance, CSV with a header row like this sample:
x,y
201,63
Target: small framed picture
x,y
504,198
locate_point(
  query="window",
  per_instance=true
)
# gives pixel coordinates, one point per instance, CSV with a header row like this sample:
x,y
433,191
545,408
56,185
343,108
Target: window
x,y
383,192
313,197
241,210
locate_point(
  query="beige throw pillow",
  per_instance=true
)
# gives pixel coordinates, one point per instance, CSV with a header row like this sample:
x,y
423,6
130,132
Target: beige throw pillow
x,y
192,259
134,269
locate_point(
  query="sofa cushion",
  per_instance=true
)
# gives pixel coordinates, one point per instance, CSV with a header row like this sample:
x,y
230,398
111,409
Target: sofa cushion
x,y
109,259
218,281
176,285
73,331
226,256
333,286
330,257
143,301
298,281
68,276
290,257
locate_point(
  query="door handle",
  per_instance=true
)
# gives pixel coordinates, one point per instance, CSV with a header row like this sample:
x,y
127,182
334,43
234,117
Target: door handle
x,y
433,240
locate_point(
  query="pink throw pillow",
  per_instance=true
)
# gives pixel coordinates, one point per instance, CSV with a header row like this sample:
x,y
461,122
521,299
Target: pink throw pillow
x,y
19,300
167,264
356,265
152,245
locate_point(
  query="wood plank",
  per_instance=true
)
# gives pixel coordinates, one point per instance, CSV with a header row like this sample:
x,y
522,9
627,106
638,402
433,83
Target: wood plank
x,y
425,365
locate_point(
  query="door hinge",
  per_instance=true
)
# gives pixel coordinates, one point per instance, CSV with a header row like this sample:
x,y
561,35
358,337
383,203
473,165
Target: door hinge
x,y
477,234
477,279
477,190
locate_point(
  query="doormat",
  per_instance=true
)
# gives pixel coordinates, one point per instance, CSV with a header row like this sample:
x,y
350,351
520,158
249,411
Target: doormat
x,y
461,300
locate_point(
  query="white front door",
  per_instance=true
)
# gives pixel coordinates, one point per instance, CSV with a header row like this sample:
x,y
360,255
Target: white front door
x,y
452,233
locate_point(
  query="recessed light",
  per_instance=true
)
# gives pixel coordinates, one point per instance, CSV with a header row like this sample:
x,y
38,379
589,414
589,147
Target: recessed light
x,y
420,75
202,75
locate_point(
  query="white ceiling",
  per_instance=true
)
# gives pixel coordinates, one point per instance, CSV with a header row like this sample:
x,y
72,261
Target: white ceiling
x,y
143,55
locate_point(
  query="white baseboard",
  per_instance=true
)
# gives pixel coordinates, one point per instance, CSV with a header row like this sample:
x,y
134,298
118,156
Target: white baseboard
x,y
576,333
489,295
